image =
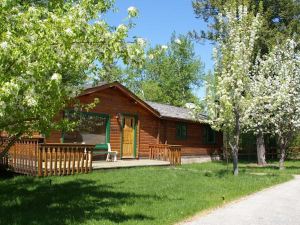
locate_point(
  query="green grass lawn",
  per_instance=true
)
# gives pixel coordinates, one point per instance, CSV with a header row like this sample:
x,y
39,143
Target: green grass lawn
x,y
154,195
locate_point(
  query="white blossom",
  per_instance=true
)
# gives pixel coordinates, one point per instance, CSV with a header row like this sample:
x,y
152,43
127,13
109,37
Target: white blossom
x,y
178,41
4,44
56,77
141,41
122,28
151,56
164,47
30,101
69,31
132,11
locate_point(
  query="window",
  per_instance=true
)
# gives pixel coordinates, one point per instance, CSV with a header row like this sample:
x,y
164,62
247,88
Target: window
x,y
181,131
92,128
209,136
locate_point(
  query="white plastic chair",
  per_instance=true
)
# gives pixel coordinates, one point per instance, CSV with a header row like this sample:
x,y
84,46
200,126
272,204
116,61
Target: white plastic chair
x,y
111,155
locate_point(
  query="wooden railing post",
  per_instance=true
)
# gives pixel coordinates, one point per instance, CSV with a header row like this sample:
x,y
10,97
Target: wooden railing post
x,y
91,159
55,161
51,160
65,164
40,162
171,153
86,161
73,160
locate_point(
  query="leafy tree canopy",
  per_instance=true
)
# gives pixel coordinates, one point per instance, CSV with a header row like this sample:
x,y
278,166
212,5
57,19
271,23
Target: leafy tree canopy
x,y
170,73
48,50
281,19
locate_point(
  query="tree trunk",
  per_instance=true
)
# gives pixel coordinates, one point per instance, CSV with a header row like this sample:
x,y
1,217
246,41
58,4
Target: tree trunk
x,y
11,141
282,157
235,146
235,160
261,151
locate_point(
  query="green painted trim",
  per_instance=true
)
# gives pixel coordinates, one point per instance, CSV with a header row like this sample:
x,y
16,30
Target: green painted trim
x,y
179,128
101,115
135,116
121,144
101,147
135,135
108,129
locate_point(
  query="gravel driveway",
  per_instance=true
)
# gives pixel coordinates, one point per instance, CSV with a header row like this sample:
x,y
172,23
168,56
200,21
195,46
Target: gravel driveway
x,y
279,205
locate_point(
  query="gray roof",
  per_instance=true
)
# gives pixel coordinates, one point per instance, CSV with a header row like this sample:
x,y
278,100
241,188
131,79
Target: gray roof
x,y
172,111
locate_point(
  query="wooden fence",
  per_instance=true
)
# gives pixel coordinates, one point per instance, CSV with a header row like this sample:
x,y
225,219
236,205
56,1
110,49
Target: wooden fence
x,y
28,156
171,153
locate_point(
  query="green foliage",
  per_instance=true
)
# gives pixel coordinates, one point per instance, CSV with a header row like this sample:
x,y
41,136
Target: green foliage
x,y
280,19
296,140
153,195
48,50
170,73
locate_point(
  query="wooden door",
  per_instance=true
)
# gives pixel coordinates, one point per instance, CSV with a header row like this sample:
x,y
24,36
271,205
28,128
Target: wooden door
x,y
128,140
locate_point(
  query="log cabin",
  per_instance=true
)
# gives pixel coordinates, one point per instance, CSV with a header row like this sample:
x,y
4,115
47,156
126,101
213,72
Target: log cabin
x,y
130,125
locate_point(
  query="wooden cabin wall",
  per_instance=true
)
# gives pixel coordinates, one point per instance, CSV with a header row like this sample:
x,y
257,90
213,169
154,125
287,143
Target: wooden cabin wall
x,y
150,129
194,144
112,102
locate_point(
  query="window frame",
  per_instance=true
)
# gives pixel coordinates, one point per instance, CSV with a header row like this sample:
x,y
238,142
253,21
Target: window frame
x,y
179,135
207,131
101,115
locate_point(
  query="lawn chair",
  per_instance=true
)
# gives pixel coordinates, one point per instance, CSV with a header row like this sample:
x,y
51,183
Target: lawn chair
x,y
111,155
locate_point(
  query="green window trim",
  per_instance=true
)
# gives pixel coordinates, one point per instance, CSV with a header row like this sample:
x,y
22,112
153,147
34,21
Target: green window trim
x,y
181,131
107,126
209,136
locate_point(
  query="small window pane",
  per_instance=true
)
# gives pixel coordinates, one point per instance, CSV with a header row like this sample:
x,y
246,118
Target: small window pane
x,y
181,131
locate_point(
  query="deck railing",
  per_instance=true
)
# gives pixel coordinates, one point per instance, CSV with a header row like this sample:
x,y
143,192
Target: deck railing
x,y
64,159
28,156
22,156
171,153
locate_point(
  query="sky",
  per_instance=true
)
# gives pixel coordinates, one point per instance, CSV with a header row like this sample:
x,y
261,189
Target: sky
x,y
158,19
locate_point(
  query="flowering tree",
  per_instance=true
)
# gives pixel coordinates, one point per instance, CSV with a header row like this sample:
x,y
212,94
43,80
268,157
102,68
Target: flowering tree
x,y
226,98
47,51
275,88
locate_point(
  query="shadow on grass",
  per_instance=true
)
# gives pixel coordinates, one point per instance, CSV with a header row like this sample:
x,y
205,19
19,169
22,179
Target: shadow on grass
x,y
35,201
287,169
5,175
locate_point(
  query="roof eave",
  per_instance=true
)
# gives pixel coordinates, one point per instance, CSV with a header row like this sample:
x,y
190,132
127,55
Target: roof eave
x,y
182,119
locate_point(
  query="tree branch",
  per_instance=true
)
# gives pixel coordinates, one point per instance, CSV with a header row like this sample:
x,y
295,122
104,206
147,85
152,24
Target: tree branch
x,y
3,125
11,141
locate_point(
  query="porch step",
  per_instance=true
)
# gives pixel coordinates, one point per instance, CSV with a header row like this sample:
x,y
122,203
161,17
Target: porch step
x,y
197,159
128,163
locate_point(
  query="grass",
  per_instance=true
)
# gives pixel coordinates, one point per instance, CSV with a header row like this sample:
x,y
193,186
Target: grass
x,y
154,195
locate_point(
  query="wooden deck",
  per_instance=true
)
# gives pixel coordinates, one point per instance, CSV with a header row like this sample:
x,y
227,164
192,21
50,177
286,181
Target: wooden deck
x,y
29,156
128,163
